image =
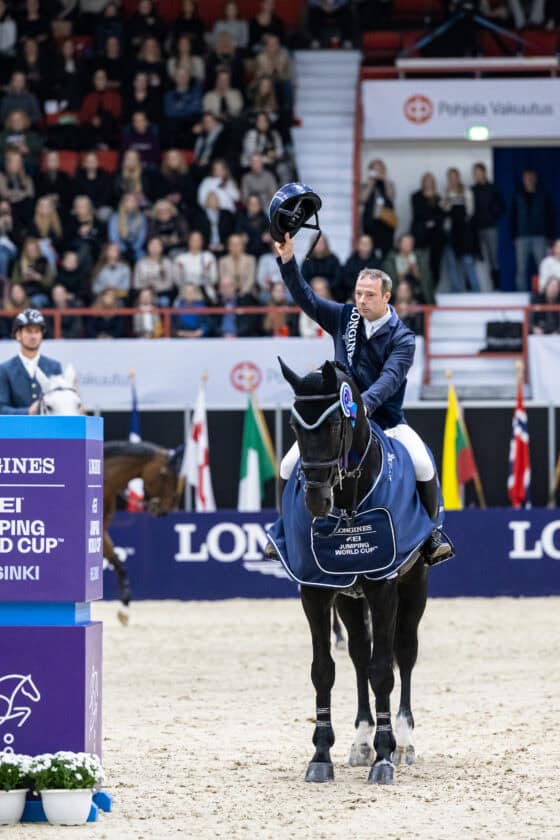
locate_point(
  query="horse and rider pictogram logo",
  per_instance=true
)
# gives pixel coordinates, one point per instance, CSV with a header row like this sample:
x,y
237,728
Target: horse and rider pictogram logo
x,y
418,109
15,692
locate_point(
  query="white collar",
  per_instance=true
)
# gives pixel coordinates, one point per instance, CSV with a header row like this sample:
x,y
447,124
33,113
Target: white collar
x,y
371,327
30,365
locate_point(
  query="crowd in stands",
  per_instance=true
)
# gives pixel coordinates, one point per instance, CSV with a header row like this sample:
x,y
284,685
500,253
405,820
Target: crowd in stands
x,y
198,120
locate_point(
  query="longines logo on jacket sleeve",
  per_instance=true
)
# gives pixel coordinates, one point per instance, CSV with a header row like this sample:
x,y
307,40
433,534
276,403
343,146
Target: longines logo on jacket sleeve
x,y
525,548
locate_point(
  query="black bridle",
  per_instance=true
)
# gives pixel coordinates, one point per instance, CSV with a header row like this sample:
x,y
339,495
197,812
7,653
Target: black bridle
x,y
339,465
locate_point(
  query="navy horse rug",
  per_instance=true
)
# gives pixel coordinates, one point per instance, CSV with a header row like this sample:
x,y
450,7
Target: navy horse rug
x,y
379,541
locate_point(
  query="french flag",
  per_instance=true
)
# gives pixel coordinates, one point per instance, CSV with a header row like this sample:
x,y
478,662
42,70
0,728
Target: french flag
x,y
519,481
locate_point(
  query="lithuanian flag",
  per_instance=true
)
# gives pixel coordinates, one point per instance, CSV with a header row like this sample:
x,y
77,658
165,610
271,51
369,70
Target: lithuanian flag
x,y
458,459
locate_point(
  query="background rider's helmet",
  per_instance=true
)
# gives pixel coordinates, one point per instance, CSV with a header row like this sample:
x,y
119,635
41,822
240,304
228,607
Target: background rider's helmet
x,y
28,316
291,208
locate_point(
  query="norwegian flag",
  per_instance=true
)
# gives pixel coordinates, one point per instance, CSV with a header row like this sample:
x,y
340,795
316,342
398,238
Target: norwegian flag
x,y
196,463
519,481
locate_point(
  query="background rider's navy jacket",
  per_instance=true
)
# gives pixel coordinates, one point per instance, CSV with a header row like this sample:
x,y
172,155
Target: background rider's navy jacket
x,y
378,365
17,389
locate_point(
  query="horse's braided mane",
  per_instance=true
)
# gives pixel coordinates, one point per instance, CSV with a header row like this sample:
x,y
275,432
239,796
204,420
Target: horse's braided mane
x,y
120,448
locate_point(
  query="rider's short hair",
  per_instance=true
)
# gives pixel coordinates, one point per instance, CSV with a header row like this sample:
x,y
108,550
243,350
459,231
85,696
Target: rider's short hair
x,y
376,274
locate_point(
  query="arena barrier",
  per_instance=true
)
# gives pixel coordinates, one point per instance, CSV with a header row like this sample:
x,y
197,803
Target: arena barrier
x,y
51,526
219,555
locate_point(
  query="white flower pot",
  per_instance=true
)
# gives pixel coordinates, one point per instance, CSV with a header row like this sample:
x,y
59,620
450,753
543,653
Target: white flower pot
x,y
66,807
12,804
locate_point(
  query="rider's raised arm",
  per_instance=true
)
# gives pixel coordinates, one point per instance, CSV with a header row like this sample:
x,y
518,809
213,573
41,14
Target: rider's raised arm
x,y
325,312
393,373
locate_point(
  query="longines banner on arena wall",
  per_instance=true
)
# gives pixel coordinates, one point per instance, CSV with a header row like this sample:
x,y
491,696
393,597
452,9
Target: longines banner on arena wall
x,y
220,555
420,109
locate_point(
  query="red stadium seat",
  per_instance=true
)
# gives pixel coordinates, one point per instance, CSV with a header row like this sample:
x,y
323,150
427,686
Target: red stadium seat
x,y
68,160
108,159
410,38
169,10
188,156
540,41
416,8
381,45
491,48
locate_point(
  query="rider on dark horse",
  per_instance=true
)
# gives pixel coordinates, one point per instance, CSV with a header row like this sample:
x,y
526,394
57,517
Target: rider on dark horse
x,y
378,350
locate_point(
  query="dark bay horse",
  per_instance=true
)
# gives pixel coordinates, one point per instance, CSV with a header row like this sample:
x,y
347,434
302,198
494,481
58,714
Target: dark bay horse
x,y
346,461
158,468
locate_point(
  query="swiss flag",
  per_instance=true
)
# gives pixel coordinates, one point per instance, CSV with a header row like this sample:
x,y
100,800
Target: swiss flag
x,y
196,465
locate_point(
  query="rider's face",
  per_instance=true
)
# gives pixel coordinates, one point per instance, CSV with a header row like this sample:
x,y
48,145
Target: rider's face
x,y
30,337
370,299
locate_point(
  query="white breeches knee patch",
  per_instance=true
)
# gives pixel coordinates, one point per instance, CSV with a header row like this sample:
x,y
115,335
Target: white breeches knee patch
x,y
289,461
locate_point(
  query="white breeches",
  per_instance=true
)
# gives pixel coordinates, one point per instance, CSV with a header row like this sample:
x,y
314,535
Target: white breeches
x,y
411,441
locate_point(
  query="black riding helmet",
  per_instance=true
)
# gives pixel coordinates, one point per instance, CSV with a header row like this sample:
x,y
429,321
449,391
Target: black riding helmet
x,y
27,317
290,210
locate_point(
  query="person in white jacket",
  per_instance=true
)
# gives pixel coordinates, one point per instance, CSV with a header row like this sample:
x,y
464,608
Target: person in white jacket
x,y
550,266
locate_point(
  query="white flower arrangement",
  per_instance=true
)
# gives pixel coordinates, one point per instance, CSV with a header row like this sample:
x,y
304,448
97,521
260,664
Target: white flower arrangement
x,y
14,770
65,770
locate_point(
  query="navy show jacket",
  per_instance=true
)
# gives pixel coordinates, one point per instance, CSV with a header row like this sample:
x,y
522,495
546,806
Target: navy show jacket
x,y
17,389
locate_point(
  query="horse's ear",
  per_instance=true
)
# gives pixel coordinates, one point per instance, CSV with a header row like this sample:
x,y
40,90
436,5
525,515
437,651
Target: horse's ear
x,y
291,378
329,377
70,374
176,458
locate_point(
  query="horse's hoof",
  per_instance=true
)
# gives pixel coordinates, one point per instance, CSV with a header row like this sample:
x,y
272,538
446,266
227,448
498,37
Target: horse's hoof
x,y
410,755
382,773
361,755
124,616
319,771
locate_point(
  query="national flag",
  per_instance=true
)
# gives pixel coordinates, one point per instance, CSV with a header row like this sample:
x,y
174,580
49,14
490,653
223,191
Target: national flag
x,y
519,480
135,489
196,463
458,460
258,460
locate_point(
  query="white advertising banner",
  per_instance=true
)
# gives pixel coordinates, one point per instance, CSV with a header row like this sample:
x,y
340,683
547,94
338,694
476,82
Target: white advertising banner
x,y
420,109
168,371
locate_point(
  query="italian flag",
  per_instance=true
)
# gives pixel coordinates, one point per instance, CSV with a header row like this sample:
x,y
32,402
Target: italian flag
x,y
258,461
458,459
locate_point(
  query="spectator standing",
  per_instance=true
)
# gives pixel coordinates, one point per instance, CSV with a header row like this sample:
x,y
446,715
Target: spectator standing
x,y
240,266
379,219
190,325
550,266
458,256
112,272
408,264
198,266
489,206
253,225
366,255
147,323
427,222
19,98
169,226
221,183
231,23
128,228
155,272
548,322
33,271
96,184
142,138
323,263
258,181
17,187
532,223
100,114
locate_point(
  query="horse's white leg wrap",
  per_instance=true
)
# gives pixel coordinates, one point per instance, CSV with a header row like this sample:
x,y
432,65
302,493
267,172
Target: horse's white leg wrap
x,y
403,736
289,461
361,751
414,445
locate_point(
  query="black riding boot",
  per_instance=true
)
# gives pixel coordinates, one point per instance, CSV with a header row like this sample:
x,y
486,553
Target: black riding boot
x,y
436,548
270,551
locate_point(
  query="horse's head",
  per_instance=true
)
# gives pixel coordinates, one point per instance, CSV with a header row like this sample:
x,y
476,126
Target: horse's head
x,y
162,484
60,394
326,410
